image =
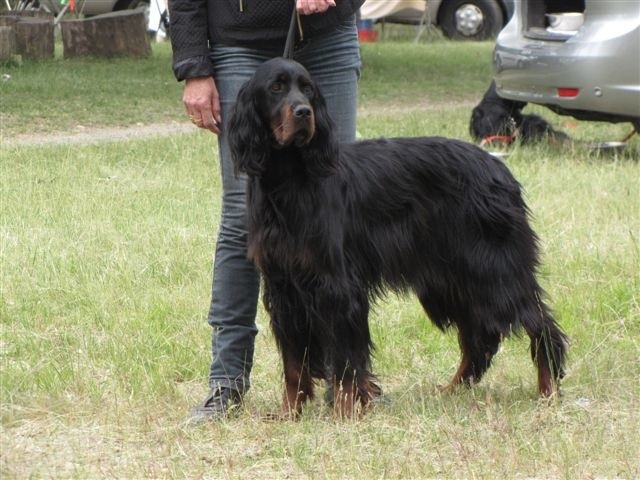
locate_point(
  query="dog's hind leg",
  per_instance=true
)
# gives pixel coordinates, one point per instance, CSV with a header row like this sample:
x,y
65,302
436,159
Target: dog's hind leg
x,y
478,349
477,344
464,374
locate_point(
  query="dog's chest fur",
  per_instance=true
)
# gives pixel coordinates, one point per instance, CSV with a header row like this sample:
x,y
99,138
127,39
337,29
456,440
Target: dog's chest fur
x,y
288,229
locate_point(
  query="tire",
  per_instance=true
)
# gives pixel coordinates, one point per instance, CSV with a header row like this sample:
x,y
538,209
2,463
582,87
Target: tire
x,y
470,19
134,5
131,4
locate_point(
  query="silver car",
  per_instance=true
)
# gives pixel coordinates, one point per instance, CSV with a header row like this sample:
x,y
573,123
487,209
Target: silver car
x,y
86,7
577,57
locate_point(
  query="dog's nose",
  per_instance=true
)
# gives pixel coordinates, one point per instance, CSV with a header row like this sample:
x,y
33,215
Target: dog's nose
x,y
302,111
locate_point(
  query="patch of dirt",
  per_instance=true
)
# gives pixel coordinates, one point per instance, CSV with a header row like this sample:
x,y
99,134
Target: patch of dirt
x,y
89,135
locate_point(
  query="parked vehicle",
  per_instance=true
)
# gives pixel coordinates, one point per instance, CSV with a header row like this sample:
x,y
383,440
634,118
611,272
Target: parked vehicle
x,y
458,19
576,57
156,11
86,7
96,7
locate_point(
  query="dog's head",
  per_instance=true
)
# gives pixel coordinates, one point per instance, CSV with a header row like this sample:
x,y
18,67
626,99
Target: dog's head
x,y
495,119
492,124
280,107
286,97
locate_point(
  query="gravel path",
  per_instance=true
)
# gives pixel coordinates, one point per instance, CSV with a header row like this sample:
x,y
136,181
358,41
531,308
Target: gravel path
x,y
91,135
86,135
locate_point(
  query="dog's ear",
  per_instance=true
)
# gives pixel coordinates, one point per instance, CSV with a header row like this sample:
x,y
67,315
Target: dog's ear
x,y
321,154
248,137
477,125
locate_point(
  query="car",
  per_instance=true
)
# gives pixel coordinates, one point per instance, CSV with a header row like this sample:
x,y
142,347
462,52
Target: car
x,y
576,57
458,19
86,7
156,11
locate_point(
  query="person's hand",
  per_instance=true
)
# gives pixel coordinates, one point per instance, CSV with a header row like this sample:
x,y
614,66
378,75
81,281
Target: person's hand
x,y
201,100
307,7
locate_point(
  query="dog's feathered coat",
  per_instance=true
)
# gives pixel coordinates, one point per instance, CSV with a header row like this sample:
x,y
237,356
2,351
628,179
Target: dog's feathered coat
x,y
331,227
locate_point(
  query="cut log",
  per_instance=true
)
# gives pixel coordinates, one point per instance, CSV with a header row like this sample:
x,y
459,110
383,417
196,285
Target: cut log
x,y
17,14
8,20
7,43
116,34
34,37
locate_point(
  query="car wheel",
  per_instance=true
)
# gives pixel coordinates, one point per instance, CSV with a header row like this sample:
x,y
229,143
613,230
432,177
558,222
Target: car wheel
x,y
131,4
470,19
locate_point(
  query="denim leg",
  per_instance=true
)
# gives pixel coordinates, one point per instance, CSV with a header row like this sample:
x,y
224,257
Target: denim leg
x,y
334,62
236,283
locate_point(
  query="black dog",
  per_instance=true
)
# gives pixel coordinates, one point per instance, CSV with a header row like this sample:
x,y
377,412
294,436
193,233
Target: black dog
x,y
332,226
496,120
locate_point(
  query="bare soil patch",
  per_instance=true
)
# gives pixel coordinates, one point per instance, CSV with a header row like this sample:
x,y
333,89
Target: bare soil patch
x,y
87,135
90,134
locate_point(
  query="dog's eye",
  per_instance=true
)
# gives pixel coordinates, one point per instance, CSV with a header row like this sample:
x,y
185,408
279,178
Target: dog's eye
x,y
276,87
307,89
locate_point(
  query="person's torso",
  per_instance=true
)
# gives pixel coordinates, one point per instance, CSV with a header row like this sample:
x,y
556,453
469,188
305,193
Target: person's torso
x,y
264,23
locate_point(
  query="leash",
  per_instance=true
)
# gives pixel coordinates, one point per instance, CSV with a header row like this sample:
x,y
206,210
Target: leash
x,y
291,35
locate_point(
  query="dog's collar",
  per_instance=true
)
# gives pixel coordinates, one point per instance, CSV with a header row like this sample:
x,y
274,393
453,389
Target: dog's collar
x,y
503,139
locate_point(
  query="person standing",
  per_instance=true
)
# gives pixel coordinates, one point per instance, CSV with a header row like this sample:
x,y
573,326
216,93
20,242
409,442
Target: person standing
x,y
217,46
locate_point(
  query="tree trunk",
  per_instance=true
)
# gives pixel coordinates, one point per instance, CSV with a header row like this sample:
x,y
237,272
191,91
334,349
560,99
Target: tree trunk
x,y
115,34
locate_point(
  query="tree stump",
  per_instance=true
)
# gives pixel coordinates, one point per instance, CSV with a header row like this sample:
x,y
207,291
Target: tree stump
x,y
115,34
7,43
33,36
18,14
8,20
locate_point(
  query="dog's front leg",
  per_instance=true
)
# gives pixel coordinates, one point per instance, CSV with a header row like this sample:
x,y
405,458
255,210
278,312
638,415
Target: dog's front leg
x,y
298,385
346,400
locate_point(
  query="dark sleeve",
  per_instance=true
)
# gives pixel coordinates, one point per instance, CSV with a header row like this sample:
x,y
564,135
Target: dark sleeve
x,y
190,38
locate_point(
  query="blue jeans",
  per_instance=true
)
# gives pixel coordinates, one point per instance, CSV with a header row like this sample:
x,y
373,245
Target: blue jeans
x,y
333,60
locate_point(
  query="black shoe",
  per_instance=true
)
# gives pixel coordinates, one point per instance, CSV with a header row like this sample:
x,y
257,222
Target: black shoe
x,y
220,402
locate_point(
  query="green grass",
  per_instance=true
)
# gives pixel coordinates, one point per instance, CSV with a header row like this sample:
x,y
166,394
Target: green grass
x,y
420,79
105,255
60,95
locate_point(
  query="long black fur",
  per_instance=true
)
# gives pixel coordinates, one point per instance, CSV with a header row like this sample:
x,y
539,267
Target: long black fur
x,y
498,117
332,227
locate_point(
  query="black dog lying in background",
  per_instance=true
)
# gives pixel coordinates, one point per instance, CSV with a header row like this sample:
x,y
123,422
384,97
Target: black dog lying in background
x,y
333,226
496,120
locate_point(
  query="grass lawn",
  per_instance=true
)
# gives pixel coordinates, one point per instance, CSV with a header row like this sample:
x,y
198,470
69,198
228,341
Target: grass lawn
x,y
105,258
